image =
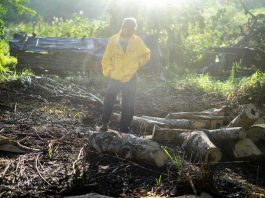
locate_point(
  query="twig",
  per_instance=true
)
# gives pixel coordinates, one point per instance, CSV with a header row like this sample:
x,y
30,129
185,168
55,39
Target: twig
x,y
40,164
246,10
7,167
228,162
81,153
191,183
38,135
36,166
92,95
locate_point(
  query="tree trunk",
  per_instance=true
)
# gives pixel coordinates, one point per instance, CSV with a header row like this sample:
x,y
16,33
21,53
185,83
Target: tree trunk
x,y
246,148
128,146
246,118
199,147
256,133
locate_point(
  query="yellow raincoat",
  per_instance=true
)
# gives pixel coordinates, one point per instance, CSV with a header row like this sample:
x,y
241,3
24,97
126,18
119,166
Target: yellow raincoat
x,y
120,65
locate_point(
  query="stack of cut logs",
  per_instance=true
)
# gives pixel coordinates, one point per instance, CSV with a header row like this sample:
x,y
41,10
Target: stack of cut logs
x,y
207,136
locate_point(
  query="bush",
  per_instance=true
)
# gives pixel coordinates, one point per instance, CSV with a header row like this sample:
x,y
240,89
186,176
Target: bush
x,y
6,61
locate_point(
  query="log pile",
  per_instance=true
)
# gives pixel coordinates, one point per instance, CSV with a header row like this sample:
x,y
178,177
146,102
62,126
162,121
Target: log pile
x,y
209,136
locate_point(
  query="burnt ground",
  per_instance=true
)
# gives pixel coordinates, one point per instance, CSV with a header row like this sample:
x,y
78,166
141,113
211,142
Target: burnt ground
x,y
54,114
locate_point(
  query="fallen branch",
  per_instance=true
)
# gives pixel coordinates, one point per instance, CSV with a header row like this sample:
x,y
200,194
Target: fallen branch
x,y
9,145
36,166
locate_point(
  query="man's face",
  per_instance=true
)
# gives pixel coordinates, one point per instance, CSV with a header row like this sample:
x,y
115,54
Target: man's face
x,y
127,29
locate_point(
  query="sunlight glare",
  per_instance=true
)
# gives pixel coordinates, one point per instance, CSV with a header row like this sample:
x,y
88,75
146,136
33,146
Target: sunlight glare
x,y
160,3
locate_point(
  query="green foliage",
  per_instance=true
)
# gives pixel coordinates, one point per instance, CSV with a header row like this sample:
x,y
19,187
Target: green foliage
x,y
252,86
185,31
207,83
232,89
174,159
19,6
235,67
221,29
6,61
77,27
66,8
2,35
159,180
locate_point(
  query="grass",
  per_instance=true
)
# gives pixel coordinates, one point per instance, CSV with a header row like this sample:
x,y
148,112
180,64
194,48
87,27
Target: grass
x,y
13,75
230,88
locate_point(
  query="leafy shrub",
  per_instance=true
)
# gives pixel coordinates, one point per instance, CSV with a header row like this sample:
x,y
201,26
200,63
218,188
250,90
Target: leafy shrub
x,y
252,88
6,61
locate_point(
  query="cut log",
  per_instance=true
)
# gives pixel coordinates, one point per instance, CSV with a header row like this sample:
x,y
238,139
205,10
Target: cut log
x,y
143,126
221,137
223,113
128,146
256,132
169,136
199,146
246,118
8,145
181,123
246,148
215,121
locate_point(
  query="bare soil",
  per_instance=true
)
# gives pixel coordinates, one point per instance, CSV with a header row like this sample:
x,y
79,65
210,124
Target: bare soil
x,y
54,114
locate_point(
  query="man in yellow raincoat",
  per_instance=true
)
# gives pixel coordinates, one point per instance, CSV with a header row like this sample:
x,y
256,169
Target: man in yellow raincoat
x,y
124,55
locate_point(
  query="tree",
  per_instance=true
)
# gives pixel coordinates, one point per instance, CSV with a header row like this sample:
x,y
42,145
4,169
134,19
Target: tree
x,y
18,7
6,61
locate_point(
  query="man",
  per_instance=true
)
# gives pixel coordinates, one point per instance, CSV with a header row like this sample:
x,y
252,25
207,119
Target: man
x,y
124,55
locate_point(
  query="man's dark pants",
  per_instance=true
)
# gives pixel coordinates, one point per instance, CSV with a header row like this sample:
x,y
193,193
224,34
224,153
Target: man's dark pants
x,y
128,90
